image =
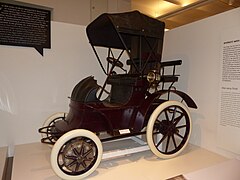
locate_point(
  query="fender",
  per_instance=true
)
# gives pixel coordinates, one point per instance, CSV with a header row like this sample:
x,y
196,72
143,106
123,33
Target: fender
x,y
188,100
140,117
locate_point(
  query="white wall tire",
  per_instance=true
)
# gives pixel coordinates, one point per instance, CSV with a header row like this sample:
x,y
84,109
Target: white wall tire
x,y
75,145
172,121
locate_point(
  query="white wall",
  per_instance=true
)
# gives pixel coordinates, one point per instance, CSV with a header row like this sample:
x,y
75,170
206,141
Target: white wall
x,y
199,46
33,87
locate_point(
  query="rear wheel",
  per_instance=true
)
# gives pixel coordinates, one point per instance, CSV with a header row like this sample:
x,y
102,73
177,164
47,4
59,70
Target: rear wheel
x,y
76,154
49,124
169,129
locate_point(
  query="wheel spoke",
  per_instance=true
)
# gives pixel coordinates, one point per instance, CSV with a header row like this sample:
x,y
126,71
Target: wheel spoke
x,y
89,159
75,151
82,149
174,113
88,152
177,120
84,164
72,163
179,135
77,167
168,139
166,115
183,126
158,144
174,142
70,157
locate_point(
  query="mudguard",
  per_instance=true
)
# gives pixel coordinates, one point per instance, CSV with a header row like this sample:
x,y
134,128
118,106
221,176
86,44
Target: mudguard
x,y
140,118
188,100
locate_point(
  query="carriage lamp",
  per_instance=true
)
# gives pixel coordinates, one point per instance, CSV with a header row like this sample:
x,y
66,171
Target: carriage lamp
x,y
153,77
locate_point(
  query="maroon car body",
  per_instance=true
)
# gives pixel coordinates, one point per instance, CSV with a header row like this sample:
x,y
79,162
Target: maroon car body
x,y
133,97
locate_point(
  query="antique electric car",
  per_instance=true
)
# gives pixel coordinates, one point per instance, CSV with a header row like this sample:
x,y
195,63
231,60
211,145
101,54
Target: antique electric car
x,y
137,97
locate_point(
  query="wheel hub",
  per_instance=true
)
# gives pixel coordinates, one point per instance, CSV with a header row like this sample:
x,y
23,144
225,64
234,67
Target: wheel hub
x,y
166,127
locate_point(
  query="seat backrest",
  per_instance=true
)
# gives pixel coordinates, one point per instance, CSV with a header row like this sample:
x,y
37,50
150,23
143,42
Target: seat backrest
x,y
121,88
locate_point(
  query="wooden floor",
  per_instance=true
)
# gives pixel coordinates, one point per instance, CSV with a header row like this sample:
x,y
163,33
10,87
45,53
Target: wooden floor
x,y
33,161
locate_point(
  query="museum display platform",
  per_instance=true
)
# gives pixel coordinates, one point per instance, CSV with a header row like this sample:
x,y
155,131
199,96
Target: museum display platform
x,y
227,170
3,157
33,160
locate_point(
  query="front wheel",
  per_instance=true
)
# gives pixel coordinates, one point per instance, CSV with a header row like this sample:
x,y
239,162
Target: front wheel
x,y
169,129
76,154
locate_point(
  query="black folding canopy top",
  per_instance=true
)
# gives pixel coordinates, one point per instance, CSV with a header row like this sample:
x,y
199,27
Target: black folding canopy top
x,y
139,35
111,30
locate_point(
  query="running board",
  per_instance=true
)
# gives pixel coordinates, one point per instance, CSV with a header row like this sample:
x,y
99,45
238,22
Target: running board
x,y
142,146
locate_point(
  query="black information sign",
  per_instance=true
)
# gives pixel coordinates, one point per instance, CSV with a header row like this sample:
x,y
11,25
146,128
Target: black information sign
x,y
25,26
